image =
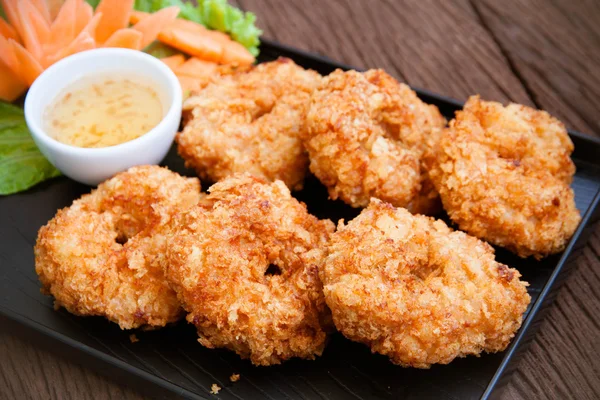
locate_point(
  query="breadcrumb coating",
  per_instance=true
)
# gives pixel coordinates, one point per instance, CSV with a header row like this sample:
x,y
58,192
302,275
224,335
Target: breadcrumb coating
x,y
250,122
244,265
416,291
366,136
503,174
101,256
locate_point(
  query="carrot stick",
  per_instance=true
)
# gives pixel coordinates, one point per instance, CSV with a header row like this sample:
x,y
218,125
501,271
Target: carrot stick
x,y
7,55
127,38
173,61
203,47
156,22
62,31
196,68
54,7
43,9
11,86
7,31
29,34
84,41
11,10
84,14
116,16
29,67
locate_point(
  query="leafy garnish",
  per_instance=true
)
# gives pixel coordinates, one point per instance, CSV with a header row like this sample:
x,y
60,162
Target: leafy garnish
x,y
21,163
213,14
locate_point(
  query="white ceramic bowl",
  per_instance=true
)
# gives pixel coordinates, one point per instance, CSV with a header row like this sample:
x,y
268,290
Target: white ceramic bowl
x,y
94,165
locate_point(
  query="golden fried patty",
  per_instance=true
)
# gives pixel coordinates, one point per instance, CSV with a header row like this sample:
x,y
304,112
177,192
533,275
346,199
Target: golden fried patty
x,y
412,289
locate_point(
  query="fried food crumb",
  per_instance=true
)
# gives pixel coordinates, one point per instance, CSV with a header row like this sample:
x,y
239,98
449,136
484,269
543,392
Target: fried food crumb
x,y
234,377
133,338
214,389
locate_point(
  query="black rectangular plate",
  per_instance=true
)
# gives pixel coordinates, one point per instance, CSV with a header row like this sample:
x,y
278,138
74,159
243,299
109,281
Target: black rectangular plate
x,y
169,362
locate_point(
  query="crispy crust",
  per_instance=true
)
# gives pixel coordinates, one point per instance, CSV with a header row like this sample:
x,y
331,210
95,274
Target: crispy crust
x,y
366,137
80,259
250,122
220,262
416,291
503,174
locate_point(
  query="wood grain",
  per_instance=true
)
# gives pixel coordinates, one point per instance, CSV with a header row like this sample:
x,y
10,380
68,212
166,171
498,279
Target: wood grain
x,y
537,52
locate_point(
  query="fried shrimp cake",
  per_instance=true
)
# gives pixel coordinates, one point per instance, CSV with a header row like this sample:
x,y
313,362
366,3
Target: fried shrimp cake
x,y
503,174
244,265
101,256
366,136
416,291
250,122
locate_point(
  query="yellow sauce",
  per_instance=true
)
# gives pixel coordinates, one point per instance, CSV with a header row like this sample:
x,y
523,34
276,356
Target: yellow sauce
x,y
103,111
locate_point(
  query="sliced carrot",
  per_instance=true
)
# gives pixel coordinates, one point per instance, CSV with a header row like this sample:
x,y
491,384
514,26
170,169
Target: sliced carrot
x,y
92,26
43,9
83,42
127,38
116,16
189,26
153,24
137,16
84,14
54,7
7,31
191,43
62,31
7,55
174,61
30,28
11,86
190,84
11,9
196,68
38,21
29,67
235,53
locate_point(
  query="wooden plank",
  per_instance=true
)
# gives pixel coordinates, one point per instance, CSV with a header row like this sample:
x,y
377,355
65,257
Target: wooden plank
x,y
552,47
436,45
29,372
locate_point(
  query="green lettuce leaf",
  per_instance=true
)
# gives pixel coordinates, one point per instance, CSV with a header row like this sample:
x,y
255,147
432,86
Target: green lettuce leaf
x,y
21,163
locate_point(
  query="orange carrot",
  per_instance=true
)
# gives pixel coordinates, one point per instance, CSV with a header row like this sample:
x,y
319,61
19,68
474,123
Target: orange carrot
x,y
84,41
235,53
39,23
54,7
43,9
196,68
92,26
174,61
11,86
137,16
7,55
11,9
62,31
84,14
190,84
203,47
127,38
29,67
153,24
116,16
29,31
7,31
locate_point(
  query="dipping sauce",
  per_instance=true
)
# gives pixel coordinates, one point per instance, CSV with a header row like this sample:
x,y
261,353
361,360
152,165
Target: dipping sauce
x,y
103,111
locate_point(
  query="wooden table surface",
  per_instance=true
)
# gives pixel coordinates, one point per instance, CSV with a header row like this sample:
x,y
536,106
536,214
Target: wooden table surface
x,y
543,53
